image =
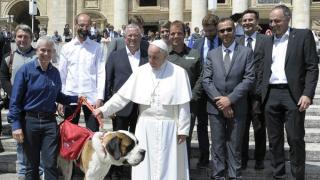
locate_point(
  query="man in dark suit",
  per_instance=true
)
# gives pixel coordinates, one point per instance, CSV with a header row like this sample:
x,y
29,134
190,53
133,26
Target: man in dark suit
x,y
288,86
204,45
255,41
228,76
119,67
189,59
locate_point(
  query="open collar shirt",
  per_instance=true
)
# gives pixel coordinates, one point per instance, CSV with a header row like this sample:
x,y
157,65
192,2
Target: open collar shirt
x,y
82,69
279,51
134,59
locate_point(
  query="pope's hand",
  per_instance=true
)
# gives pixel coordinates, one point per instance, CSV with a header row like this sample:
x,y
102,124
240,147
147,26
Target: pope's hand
x,y
97,113
181,138
18,135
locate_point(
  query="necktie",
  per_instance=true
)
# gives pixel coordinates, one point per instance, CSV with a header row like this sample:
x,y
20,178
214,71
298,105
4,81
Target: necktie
x,y
249,44
226,60
211,45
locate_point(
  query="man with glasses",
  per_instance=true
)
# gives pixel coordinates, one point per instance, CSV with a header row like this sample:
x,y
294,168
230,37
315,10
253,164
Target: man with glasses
x,y
82,71
204,45
255,41
227,78
288,86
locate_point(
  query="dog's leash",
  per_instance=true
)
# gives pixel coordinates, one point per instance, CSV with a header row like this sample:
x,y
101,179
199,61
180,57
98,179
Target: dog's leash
x,y
84,101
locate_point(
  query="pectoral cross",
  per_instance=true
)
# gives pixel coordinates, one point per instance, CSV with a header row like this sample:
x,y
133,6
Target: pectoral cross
x,y
154,99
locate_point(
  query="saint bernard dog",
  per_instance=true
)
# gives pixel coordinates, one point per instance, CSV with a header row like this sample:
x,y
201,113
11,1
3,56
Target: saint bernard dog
x,y
103,150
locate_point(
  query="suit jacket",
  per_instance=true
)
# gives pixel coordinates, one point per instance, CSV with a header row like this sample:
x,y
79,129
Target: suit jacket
x,y
198,44
119,43
118,70
189,60
234,83
2,42
301,64
258,62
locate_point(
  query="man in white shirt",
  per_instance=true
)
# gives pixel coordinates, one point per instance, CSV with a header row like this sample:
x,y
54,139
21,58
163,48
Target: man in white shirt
x,y
290,77
119,67
82,71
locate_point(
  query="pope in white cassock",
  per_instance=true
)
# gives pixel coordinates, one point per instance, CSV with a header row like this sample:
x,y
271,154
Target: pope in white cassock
x,y
163,92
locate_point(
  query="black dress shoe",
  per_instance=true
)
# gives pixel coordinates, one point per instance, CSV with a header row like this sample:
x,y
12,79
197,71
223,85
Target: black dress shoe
x,y
259,165
202,165
244,165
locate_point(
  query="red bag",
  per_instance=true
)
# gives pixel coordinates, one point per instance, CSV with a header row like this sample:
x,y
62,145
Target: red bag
x,y
72,137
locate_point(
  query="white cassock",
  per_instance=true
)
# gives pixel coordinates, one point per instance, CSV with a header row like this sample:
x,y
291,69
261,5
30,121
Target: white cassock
x,y
163,97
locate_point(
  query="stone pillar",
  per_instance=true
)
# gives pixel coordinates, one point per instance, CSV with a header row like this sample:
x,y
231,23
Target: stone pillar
x,y
176,10
238,6
120,13
58,12
301,14
198,12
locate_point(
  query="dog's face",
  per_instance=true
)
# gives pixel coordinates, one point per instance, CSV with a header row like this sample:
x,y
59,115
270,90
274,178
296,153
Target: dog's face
x,y
123,147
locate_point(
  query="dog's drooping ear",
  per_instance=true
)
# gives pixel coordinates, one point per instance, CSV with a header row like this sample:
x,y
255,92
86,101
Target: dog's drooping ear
x,y
113,147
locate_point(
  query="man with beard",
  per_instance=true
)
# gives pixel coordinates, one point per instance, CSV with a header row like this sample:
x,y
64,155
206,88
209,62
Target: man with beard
x,y
204,45
82,71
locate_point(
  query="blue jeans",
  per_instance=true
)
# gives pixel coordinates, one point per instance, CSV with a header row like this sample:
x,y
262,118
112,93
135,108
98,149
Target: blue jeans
x,y
41,135
22,161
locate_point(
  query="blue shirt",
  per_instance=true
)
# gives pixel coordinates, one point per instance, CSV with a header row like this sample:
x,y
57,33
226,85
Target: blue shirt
x,y
37,91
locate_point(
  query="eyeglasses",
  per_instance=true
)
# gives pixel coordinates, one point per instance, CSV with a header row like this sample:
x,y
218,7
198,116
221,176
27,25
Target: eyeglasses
x,y
224,30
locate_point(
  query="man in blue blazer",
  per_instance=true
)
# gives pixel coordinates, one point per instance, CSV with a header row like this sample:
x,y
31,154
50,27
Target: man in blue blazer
x,y
204,45
227,78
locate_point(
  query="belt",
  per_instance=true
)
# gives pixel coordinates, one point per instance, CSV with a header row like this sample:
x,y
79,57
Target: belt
x,y
42,115
279,86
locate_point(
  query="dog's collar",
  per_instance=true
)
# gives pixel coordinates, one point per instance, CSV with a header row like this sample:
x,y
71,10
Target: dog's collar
x,y
104,149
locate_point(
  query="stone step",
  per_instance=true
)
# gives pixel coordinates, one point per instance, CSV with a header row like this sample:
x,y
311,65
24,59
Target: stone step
x,y
8,165
312,171
312,151
312,135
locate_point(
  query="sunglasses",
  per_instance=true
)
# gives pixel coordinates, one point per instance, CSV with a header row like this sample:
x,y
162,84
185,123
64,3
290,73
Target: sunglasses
x,y
224,30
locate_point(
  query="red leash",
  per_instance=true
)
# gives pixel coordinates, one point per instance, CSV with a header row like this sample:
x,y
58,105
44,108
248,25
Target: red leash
x,y
85,102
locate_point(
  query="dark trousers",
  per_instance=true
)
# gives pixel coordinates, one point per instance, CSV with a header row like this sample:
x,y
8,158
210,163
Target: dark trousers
x,y
259,133
203,139
90,120
282,112
128,124
41,135
0,123
226,137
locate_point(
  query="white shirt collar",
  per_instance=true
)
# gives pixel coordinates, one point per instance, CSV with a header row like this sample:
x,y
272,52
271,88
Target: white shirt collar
x,y
231,47
253,36
285,36
129,53
77,42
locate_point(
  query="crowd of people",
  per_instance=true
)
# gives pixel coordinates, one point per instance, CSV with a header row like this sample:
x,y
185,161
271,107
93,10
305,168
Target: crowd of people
x,y
157,89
